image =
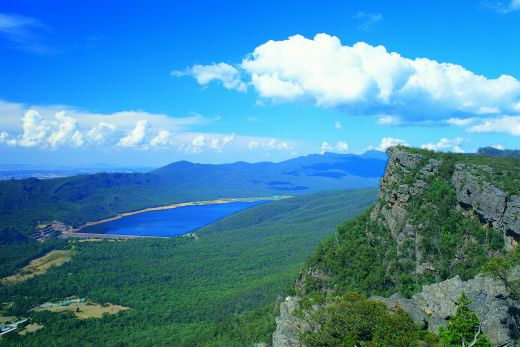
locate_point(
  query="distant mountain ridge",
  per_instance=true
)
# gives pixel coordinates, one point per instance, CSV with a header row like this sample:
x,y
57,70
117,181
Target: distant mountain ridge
x,y
76,200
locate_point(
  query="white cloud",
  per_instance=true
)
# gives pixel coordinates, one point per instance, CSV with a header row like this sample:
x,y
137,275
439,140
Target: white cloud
x,y
338,125
367,20
253,145
325,147
228,75
62,126
445,144
388,120
500,147
461,121
369,80
163,138
502,7
341,146
101,132
4,135
228,139
34,129
136,136
269,144
387,142
505,124
196,143
25,34
66,131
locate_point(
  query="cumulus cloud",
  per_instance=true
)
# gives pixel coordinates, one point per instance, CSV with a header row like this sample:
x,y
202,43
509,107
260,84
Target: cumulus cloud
x,y
369,80
445,144
213,142
228,75
341,146
388,120
34,129
66,131
461,121
136,136
505,124
387,142
101,132
60,126
270,144
163,138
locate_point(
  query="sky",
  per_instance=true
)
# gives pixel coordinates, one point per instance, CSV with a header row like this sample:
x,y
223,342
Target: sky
x,y
148,83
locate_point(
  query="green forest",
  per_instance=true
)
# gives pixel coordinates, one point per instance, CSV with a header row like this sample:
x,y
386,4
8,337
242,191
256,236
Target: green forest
x,y
218,290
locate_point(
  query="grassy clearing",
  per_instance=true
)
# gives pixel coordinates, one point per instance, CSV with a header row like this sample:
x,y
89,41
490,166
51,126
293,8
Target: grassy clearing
x,y
39,266
86,309
31,328
4,319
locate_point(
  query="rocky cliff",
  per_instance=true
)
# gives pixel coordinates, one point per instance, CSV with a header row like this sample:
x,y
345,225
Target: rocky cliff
x,y
438,218
489,296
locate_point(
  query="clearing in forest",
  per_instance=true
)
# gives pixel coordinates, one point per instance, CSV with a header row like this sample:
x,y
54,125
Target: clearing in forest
x,y
39,266
31,328
86,309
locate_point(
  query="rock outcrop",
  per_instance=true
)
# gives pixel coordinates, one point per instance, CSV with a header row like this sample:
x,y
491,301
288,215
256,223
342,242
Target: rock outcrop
x,y
402,209
437,302
288,326
492,205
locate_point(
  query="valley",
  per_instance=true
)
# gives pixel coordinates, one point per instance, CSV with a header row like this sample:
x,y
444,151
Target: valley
x,y
218,289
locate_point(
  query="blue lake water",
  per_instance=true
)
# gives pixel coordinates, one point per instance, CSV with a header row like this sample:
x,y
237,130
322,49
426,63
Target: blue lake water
x,y
171,222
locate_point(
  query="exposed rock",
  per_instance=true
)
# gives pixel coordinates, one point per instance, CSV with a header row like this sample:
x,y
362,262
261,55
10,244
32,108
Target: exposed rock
x,y
437,302
289,327
491,204
316,276
407,175
431,168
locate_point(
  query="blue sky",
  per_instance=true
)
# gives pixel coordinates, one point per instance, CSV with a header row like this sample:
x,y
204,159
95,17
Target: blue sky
x,y
129,83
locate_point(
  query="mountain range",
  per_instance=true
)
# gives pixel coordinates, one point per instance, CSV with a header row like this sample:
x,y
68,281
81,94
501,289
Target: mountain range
x,y
76,200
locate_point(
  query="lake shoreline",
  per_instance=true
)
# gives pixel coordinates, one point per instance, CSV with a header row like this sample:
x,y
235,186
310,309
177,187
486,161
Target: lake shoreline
x,y
78,232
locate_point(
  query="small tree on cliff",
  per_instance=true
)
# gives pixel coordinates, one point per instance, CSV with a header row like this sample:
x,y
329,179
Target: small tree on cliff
x,y
463,329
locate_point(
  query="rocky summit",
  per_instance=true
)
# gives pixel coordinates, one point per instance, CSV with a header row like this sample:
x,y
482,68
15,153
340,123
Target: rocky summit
x,y
438,220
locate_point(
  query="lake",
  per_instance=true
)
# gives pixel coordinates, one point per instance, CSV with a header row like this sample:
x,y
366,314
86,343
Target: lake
x,y
172,222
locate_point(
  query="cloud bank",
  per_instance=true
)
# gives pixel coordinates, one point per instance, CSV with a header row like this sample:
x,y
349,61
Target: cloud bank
x,y
365,80
53,127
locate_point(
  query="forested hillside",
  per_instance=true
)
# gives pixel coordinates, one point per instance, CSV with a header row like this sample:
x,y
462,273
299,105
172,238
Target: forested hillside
x,y
79,199
438,217
217,290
